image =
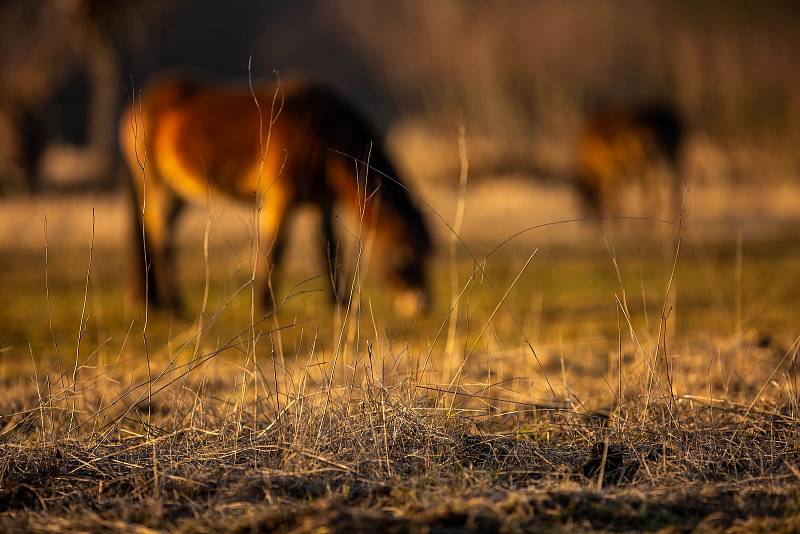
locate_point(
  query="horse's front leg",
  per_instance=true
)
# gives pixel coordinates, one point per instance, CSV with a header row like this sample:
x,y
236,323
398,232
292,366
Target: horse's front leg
x,y
332,256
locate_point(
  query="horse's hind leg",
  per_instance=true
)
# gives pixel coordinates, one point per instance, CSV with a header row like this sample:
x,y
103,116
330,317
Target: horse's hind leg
x,y
272,241
154,219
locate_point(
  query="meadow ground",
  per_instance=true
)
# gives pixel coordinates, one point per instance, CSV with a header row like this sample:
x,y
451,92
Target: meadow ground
x,y
590,381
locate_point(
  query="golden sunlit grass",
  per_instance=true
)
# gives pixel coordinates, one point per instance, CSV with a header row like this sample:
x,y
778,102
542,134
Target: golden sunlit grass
x,y
578,377
586,386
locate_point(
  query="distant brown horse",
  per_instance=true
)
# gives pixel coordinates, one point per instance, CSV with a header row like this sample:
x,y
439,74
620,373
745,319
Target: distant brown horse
x,y
620,147
301,145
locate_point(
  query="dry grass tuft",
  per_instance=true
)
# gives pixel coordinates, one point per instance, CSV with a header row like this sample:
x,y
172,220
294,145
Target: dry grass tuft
x,y
354,452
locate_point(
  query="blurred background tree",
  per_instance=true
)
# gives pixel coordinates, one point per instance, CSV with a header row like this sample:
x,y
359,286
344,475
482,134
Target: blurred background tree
x,y
61,64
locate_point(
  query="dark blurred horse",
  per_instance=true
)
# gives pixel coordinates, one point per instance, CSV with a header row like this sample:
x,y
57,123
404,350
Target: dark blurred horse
x,y
186,136
621,147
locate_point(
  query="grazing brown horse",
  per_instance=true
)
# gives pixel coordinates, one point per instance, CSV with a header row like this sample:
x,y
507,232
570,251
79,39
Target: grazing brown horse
x,y
301,144
619,147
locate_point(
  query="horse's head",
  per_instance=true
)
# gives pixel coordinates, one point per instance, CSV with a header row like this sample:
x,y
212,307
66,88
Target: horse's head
x,y
406,276
401,236
404,252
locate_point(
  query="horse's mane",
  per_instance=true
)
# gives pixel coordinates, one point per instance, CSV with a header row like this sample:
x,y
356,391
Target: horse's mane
x,y
395,196
383,180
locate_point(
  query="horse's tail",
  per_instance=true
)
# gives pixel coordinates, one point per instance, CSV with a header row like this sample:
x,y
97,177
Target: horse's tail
x,y
136,127
138,120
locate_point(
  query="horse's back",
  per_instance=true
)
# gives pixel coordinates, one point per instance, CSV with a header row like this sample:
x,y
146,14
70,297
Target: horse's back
x,y
237,139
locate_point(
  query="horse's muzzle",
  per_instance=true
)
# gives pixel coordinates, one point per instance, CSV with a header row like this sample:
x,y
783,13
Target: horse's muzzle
x,y
411,303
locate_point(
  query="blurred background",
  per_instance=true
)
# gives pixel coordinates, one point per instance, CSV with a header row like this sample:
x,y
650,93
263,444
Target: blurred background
x,y
520,77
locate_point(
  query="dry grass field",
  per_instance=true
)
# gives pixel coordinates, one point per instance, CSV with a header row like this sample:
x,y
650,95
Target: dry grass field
x,y
572,376
630,377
